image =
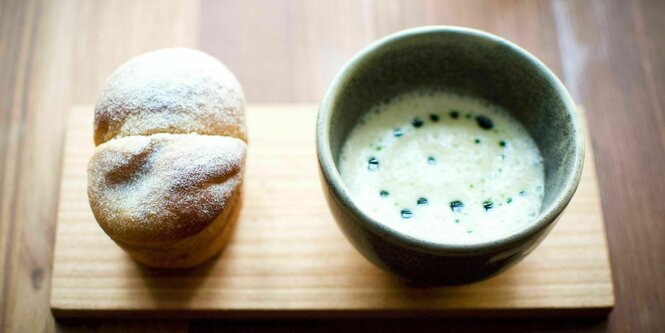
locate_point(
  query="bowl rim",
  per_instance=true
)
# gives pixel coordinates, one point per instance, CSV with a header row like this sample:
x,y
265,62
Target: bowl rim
x,y
338,189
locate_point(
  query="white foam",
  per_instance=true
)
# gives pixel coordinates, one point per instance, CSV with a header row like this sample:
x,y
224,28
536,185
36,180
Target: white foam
x,y
464,170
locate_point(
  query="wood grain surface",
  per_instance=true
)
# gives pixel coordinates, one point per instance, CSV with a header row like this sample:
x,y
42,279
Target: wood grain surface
x,y
56,54
288,258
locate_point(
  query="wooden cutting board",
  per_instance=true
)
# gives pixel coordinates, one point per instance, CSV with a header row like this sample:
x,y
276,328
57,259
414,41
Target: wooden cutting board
x,y
288,258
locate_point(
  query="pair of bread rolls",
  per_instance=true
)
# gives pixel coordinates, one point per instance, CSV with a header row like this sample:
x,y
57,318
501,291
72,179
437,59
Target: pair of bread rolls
x,y
166,177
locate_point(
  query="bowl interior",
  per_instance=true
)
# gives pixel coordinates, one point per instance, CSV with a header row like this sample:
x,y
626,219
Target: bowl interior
x,y
472,63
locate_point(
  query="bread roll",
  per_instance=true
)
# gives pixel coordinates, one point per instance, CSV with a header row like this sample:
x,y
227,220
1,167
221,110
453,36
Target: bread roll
x,y
165,179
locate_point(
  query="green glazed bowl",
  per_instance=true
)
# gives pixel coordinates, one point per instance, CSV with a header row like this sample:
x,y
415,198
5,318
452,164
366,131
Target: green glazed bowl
x,y
466,61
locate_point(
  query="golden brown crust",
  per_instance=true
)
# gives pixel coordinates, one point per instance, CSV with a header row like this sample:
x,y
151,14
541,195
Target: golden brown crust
x,y
193,250
177,91
153,190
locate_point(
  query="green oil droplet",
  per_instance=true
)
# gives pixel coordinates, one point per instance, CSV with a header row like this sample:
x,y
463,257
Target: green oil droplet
x,y
456,206
484,122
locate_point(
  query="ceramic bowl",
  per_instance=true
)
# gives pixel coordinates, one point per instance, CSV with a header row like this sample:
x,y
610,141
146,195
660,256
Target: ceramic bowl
x,y
465,61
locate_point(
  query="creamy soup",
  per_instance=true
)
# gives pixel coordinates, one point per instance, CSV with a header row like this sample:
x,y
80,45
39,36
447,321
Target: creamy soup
x,y
443,168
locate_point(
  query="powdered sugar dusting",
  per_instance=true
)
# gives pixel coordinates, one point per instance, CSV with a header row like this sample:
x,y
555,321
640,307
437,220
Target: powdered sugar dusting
x,y
163,187
170,91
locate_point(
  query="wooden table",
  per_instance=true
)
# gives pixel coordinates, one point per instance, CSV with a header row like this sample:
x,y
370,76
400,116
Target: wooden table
x,y
55,54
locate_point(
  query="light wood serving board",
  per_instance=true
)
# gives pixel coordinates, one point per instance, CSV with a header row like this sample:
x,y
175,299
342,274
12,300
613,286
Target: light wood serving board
x,y
288,258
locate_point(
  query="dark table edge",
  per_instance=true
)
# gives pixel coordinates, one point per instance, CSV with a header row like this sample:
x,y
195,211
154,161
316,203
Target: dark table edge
x,y
587,312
